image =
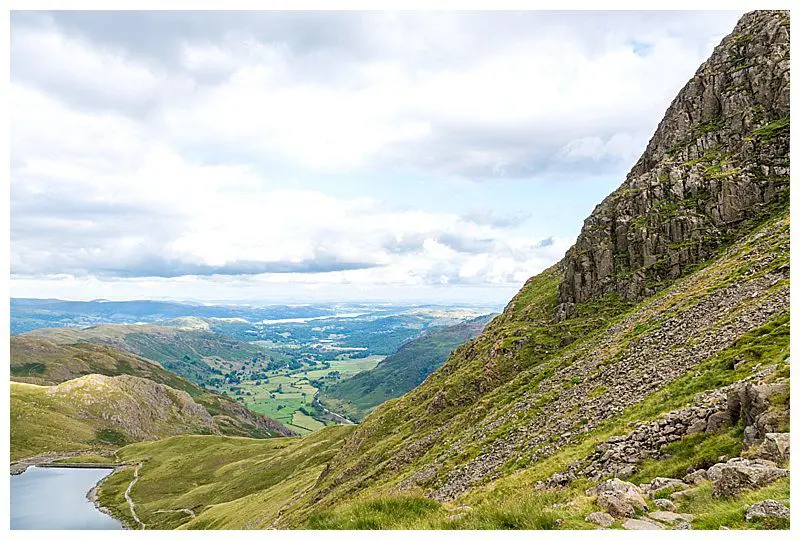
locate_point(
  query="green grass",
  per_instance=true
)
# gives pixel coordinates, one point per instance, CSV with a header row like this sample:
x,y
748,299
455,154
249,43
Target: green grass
x,y
698,451
381,513
713,513
213,473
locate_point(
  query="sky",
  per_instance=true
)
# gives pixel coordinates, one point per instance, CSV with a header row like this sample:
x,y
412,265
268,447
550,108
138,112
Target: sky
x,y
330,156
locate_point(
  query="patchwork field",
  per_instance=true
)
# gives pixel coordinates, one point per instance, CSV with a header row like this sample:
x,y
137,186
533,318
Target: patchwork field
x,y
287,395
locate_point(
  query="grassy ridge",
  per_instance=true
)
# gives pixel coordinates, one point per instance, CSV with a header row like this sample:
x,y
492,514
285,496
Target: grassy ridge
x,y
97,412
43,362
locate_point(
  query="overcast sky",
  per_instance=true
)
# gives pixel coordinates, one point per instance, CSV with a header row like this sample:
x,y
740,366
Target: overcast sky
x,y
280,156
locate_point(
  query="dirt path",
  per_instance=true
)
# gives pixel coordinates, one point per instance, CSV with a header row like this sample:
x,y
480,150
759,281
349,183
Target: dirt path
x,y
187,511
128,495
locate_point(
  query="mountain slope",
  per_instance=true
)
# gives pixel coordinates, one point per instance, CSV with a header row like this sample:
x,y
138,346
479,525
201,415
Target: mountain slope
x,y
97,411
43,363
545,373
400,372
628,358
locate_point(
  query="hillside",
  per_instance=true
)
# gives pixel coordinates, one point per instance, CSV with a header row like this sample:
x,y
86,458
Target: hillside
x,y
197,355
656,351
95,412
42,363
215,476
398,373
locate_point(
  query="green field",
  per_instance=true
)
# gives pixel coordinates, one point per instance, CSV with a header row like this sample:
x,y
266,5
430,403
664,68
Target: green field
x,y
285,391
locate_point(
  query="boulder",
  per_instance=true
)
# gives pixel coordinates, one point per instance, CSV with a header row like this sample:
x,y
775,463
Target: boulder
x,y
618,498
739,475
768,509
665,504
753,404
698,426
775,448
600,518
695,477
718,421
641,525
661,483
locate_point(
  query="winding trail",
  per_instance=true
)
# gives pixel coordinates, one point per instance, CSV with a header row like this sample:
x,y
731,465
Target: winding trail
x,y
128,495
187,511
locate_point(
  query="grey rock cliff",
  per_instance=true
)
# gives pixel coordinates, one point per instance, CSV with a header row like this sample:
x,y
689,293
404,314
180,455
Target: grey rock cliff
x,y
718,161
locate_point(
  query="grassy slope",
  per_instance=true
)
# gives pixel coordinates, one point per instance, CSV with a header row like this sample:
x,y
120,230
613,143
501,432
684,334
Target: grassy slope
x,y
81,415
400,372
216,476
43,362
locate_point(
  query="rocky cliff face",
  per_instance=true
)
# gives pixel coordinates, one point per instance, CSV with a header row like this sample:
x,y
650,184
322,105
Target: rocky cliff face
x,y
718,162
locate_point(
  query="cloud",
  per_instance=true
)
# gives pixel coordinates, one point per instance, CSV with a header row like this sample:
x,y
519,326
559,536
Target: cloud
x,y
257,149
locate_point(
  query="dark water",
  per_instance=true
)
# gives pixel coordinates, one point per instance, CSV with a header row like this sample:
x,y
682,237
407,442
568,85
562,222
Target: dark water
x,y
50,498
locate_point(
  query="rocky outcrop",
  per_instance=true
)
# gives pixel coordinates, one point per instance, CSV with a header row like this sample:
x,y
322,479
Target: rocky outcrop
x,y
739,474
718,161
775,447
761,408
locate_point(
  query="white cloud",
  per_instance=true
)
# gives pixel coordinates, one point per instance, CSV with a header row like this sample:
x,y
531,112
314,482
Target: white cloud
x,y
131,161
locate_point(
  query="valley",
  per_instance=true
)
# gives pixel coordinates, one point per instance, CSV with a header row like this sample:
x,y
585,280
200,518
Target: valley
x,y
641,382
278,372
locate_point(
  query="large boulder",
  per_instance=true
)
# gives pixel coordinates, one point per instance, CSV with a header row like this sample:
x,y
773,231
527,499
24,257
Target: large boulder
x,y
766,510
740,474
618,498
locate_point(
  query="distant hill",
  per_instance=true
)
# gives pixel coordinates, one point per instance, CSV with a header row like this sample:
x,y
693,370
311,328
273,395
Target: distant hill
x,y
96,412
197,355
400,372
31,313
40,363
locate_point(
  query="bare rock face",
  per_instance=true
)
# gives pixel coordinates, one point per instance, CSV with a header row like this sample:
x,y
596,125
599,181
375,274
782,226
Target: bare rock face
x,y
768,509
718,161
738,475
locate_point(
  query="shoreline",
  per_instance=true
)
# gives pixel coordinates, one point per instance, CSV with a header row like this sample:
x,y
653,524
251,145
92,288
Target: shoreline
x,y
91,495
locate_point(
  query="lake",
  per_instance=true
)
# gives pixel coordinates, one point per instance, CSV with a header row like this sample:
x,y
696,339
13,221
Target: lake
x,y
55,498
